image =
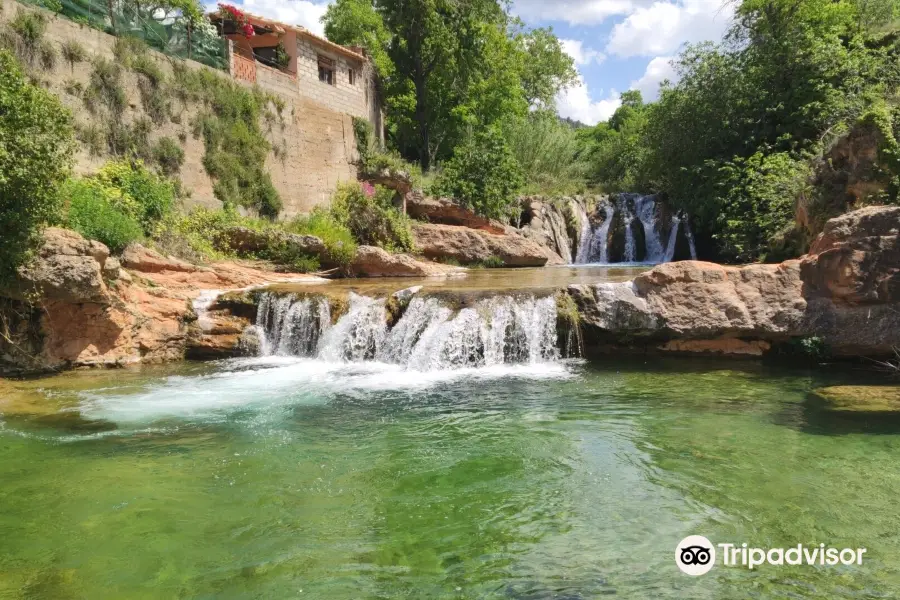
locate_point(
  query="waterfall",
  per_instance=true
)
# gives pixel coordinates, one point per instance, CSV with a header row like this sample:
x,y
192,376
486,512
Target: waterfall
x,y
594,242
429,336
359,334
673,239
584,243
690,237
645,211
630,255
597,250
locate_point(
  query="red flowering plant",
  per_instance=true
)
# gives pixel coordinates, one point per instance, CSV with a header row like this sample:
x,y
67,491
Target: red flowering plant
x,y
232,13
368,189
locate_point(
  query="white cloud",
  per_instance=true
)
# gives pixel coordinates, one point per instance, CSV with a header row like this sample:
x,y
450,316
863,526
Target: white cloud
x,y
574,12
575,103
658,70
662,27
293,12
580,54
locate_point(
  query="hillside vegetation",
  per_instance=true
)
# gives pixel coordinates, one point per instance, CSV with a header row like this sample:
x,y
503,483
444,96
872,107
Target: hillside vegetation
x,y
748,138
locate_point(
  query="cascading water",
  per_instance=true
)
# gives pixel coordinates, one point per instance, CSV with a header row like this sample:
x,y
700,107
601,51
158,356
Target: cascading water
x,y
690,237
594,242
594,245
645,211
429,336
673,239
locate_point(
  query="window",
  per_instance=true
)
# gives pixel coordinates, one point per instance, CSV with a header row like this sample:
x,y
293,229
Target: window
x,y
326,70
352,77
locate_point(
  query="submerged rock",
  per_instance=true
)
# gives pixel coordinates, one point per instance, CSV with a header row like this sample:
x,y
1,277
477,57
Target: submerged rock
x,y
861,398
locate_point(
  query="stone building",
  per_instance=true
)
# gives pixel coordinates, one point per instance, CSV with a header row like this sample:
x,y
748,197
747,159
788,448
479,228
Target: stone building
x,y
291,59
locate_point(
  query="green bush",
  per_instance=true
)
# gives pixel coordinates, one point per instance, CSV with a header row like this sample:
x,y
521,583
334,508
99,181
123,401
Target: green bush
x,y
198,236
491,262
547,149
364,132
126,48
95,212
757,200
106,89
368,212
484,175
338,239
236,148
169,155
145,196
36,148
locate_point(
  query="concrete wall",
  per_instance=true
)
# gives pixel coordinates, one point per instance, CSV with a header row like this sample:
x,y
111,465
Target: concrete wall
x,y
315,143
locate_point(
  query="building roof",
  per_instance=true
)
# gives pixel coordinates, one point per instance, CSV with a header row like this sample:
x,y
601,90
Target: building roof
x,y
278,27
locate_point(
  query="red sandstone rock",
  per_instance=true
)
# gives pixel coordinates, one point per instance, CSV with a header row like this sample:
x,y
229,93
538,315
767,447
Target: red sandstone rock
x,y
468,246
371,261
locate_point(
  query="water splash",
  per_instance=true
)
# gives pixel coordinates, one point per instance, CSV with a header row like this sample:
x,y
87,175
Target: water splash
x,y
502,330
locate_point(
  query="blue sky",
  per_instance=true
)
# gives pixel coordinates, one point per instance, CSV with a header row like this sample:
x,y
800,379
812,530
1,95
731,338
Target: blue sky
x,y
617,44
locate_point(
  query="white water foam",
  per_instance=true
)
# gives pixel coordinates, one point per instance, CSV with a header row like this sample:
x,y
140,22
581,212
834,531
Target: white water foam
x,y
273,382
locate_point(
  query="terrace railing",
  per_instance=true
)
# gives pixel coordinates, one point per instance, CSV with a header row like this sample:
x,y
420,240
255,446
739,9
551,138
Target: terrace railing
x,y
168,33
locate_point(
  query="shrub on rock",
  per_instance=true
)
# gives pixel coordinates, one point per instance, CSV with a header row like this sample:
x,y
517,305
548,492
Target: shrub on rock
x,y
36,148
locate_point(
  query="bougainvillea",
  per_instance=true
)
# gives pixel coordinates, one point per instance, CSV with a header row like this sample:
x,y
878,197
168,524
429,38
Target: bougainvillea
x,y
232,13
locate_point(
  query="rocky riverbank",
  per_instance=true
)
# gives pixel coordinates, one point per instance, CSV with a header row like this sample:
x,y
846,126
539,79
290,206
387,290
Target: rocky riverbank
x,y
78,307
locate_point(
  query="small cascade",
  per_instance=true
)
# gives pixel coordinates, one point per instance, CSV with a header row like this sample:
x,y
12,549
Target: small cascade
x,y
645,211
585,241
630,250
690,238
673,239
359,334
597,250
202,304
429,336
595,241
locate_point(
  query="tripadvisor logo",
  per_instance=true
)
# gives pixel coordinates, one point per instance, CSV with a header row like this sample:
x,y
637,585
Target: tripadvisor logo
x,y
695,555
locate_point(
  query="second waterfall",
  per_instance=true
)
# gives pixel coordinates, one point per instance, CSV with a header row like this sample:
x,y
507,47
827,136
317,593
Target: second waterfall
x,y
633,228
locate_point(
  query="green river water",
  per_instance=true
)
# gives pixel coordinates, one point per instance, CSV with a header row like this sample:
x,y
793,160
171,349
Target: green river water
x,y
298,478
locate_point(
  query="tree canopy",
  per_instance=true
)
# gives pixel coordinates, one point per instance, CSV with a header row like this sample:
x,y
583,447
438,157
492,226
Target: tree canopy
x,y
731,142
450,68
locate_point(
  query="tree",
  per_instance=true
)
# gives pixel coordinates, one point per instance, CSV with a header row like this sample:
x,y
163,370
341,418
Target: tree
x,y
36,149
547,69
450,66
483,174
615,150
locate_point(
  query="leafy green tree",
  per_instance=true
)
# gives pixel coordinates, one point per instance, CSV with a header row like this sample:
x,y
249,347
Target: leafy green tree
x,y
483,174
36,149
615,150
450,66
547,149
546,68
